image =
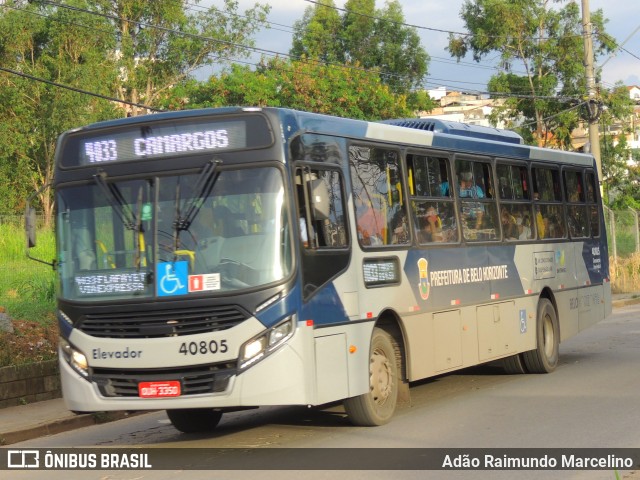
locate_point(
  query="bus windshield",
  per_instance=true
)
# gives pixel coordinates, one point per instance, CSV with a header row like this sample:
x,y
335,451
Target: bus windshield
x,y
203,233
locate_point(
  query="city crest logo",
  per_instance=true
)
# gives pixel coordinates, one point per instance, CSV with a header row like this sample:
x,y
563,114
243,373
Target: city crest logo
x,y
423,286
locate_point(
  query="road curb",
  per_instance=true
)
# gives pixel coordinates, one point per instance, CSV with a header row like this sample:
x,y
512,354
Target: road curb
x,y
625,302
63,425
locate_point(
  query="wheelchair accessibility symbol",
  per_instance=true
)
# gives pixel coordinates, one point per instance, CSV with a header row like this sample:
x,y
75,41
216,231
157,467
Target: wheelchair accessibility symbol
x,y
172,278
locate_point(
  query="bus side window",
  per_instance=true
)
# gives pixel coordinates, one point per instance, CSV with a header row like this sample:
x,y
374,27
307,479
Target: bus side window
x,y
432,205
577,216
478,209
513,182
594,217
378,198
514,187
547,196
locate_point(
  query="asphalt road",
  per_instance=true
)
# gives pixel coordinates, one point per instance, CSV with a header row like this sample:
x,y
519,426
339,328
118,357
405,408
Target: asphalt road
x,y
592,400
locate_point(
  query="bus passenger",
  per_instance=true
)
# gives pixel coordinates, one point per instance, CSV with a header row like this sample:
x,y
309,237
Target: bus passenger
x,y
401,231
432,231
524,231
472,212
371,224
509,226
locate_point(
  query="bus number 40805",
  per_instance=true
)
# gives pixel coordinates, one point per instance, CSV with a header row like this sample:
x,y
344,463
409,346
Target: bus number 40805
x,y
203,347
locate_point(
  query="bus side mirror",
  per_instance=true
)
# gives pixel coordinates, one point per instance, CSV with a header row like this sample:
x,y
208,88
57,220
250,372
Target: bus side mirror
x,y
320,199
30,221
30,226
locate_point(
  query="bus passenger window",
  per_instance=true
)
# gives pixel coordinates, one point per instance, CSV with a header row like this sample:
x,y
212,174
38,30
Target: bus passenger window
x,y
513,182
434,221
594,218
577,216
546,184
478,209
547,196
428,176
432,204
380,206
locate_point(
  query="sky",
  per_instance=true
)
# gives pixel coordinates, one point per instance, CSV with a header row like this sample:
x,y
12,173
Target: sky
x,y
467,75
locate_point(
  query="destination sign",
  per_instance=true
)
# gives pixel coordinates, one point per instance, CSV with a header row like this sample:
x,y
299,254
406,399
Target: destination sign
x,y
381,271
163,139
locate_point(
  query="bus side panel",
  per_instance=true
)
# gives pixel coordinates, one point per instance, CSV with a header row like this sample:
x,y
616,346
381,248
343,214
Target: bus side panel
x,y
331,368
419,346
342,361
597,302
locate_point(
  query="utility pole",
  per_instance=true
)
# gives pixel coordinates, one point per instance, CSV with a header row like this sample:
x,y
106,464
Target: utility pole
x,y
593,104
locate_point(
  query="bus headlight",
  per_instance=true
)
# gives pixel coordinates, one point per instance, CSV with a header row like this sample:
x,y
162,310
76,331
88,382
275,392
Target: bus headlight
x,y
75,358
259,347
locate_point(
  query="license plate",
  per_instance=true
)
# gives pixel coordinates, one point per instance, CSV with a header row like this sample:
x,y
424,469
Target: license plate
x,y
169,388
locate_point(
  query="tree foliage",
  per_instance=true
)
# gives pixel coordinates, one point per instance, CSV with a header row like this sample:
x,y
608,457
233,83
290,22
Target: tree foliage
x,y
347,91
541,59
620,171
41,42
161,43
364,35
132,50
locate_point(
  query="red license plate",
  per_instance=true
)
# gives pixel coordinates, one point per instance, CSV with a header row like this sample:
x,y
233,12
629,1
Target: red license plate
x,y
169,388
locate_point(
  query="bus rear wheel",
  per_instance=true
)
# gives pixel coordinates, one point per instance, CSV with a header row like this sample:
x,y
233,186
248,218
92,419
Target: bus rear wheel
x,y
195,420
544,358
377,406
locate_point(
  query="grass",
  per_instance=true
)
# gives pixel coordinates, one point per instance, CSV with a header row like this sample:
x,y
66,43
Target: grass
x,y
27,296
625,274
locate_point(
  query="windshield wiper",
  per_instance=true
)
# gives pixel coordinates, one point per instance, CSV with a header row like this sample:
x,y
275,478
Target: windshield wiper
x,y
130,220
206,180
202,189
117,201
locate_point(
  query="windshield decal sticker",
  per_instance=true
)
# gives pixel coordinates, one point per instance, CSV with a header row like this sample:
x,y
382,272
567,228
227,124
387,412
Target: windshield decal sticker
x,y
172,278
204,283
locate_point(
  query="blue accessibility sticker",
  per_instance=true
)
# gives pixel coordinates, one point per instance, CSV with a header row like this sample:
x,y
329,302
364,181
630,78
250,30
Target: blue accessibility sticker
x,y
172,278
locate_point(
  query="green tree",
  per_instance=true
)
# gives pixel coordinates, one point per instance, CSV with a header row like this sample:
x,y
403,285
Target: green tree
x,y
317,33
132,50
621,176
331,89
373,39
163,42
542,39
42,44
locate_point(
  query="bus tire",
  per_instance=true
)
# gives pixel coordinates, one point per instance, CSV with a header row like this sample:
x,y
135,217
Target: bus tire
x,y
377,406
195,420
513,365
544,358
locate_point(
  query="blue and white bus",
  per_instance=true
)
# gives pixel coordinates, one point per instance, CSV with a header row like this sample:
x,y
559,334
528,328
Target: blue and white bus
x,y
221,259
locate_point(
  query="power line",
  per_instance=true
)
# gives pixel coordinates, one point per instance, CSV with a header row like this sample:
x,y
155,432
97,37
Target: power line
x,y
274,53
419,27
270,53
77,90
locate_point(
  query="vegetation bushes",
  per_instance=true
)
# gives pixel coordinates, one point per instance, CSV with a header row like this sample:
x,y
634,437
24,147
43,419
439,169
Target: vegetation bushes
x,y
625,273
27,296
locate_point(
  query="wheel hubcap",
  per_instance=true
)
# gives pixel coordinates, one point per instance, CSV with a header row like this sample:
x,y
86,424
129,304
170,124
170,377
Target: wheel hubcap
x,y
381,377
548,337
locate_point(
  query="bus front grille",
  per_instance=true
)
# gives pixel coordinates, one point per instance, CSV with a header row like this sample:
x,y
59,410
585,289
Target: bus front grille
x,y
203,379
162,323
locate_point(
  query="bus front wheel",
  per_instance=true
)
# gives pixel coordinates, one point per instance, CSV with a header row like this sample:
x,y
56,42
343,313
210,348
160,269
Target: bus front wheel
x,y
544,358
194,420
376,407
